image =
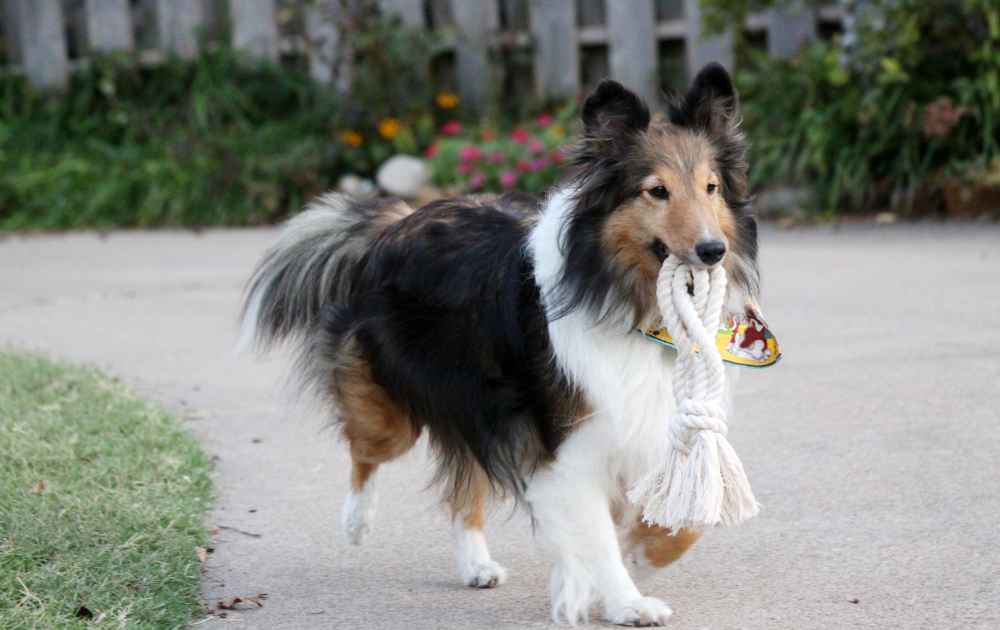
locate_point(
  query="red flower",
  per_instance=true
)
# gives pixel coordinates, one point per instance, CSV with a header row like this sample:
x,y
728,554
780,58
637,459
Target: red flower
x,y
524,166
431,150
497,157
470,154
489,135
476,181
544,120
451,128
557,156
520,135
508,179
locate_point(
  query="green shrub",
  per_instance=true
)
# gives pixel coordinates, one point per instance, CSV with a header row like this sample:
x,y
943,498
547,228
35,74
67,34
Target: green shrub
x,y
392,106
911,105
211,142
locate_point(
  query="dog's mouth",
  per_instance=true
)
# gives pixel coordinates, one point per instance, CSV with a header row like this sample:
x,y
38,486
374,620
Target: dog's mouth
x,y
659,249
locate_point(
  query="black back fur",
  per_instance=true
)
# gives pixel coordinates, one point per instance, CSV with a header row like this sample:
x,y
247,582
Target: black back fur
x,y
445,309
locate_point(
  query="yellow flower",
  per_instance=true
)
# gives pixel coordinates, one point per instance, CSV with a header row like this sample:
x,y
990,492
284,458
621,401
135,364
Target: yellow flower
x,y
351,138
388,128
447,100
558,131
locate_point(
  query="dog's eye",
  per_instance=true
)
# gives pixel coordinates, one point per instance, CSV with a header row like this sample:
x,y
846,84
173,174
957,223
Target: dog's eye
x,y
660,192
712,188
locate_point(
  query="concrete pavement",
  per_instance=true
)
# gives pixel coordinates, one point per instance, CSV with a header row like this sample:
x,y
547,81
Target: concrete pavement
x,y
873,446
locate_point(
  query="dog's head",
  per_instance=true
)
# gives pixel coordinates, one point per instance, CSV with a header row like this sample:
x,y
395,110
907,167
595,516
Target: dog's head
x,y
650,187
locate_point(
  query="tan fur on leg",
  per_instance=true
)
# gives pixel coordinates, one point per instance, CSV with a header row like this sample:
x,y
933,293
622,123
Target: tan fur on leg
x,y
475,565
377,431
654,547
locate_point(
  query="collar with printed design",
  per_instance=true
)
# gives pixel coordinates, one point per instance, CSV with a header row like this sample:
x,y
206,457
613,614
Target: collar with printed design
x,y
743,339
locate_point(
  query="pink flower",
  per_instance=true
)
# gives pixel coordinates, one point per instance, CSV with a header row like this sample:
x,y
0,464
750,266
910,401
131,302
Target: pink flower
x,y
536,147
520,135
465,168
508,179
557,156
544,120
470,154
432,150
497,157
451,128
537,165
476,181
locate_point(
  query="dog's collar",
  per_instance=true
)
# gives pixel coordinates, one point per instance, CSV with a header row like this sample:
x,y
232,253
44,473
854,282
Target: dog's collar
x,y
743,339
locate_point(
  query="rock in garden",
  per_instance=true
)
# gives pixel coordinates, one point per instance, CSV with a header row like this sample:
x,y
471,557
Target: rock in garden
x,y
403,175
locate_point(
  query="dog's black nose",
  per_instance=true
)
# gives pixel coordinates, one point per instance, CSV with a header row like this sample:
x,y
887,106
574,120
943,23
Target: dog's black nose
x,y
710,252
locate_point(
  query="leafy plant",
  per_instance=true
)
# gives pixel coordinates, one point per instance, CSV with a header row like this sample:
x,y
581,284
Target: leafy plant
x,y
391,105
912,103
211,142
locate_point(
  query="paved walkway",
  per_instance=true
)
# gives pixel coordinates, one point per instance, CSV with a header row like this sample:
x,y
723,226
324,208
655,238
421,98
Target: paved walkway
x,y
874,446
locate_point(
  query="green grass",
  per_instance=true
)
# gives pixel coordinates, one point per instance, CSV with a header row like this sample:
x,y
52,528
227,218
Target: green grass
x,y
102,498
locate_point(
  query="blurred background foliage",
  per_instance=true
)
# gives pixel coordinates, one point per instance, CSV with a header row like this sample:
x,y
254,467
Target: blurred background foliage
x,y
899,112
210,142
903,112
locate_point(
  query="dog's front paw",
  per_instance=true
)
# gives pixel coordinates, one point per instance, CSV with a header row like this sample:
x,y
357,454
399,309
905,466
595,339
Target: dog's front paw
x,y
643,611
483,574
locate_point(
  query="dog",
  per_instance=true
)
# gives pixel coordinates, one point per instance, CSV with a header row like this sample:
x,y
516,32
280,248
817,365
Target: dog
x,y
506,329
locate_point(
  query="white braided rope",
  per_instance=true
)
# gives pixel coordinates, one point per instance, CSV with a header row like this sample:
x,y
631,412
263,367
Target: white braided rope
x,y
701,481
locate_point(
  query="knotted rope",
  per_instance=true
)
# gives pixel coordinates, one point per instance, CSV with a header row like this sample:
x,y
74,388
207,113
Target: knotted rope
x,y
701,481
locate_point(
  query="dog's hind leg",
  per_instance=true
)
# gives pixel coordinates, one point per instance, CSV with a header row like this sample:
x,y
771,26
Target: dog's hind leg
x,y
377,431
475,566
358,512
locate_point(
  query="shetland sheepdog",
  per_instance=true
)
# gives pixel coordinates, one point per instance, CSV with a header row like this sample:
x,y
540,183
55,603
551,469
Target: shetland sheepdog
x,y
506,329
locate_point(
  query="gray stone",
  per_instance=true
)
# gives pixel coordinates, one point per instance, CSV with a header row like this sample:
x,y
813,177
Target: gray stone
x,y
403,175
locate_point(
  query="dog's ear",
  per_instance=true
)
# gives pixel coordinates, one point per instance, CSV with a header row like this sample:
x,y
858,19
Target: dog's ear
x,y
613,109
710,104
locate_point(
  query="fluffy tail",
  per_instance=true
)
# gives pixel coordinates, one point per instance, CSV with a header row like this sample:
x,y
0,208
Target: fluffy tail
x,y
310,266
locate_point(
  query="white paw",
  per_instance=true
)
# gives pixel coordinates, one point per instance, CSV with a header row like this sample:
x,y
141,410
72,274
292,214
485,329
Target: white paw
x,y
644,611
483,574
573,594
358,515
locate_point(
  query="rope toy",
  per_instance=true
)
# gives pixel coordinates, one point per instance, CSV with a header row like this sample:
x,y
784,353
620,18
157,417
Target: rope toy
x,y
701,482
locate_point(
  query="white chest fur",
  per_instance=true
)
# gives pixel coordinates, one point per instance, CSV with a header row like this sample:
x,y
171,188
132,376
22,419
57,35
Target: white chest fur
x,y
625,377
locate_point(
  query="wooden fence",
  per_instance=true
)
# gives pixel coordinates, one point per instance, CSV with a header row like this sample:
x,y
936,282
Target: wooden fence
x,y
570,43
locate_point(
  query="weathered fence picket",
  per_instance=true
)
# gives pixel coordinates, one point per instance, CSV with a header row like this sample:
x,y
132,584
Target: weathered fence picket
x,y
475,23
557,51
255,30
702,49
107,26
632,46
36,33
570,41
322,38
178,25
789,28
